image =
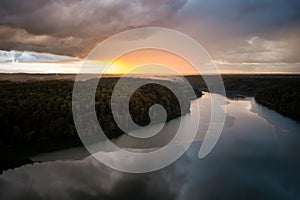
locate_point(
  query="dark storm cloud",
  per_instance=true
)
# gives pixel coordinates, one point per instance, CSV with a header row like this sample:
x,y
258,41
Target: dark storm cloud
x,y
74,27
83,23
249,16
86,18
19,39
224,28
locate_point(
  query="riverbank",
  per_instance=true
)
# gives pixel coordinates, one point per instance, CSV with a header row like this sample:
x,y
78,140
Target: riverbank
x,y
37,116
17,156
47,105
12,157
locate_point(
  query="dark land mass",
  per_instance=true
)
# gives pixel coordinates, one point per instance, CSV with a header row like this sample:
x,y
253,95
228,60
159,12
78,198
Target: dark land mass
x,y
36,109
36,113
279,92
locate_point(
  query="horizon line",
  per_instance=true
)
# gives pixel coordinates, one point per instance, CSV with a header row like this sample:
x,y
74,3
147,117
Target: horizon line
x,y
149,74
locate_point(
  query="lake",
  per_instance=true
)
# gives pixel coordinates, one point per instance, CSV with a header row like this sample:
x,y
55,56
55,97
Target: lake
x,y
256,157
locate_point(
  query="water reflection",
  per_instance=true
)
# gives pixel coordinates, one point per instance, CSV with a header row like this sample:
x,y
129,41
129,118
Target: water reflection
x,y
255,158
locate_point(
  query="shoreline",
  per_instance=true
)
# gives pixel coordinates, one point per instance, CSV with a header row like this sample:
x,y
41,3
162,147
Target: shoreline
x,y
14,157
19,156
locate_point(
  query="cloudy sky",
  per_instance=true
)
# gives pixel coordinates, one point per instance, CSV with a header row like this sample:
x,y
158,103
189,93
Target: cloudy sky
x,y
241,36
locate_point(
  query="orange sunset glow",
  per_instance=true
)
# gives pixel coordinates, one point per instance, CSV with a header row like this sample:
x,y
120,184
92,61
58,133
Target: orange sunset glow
x,y
152,59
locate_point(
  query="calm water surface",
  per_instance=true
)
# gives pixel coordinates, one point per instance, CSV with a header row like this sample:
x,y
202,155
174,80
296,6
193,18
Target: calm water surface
x,y
256,157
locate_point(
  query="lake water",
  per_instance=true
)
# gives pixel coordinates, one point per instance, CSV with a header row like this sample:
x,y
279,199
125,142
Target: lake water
x,y
256,157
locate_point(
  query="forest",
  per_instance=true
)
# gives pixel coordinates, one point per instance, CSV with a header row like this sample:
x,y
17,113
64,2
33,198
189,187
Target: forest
x,y
36,115
39,111
34,111
278,92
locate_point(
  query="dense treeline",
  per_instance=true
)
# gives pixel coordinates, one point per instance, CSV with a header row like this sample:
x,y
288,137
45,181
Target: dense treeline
x,y
251,84
279,92
38,111
283,97
140,102
35,111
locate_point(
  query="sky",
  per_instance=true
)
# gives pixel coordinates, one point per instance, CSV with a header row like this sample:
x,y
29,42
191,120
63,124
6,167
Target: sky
x,y
241,36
